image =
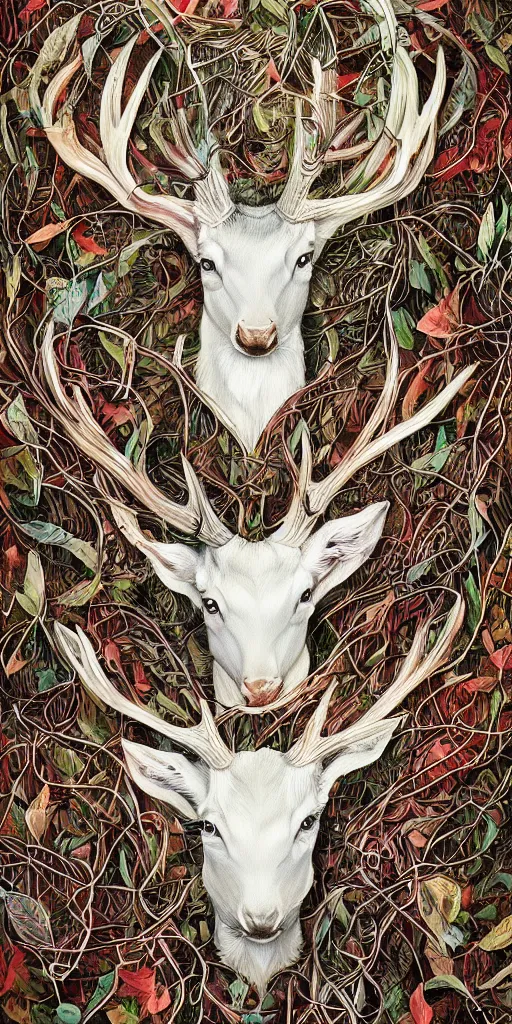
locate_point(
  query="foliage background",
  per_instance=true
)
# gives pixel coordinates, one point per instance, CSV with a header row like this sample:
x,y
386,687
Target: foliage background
x,y
409,919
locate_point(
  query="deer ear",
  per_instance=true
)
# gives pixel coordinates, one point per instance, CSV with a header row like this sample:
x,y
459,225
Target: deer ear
x,y
167,776
358,754
176,565
338,548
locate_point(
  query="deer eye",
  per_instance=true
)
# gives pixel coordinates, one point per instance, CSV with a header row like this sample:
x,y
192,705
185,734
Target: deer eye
x,y
208,265
211,606
308,823
305,596
304,259
209,828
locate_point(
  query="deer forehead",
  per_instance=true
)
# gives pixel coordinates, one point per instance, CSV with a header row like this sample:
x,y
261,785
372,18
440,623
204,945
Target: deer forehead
x,y
261,790
248,231
260,567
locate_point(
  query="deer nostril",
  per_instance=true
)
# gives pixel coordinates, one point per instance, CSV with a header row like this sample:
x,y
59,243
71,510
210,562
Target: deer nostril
x,y
256,341
261,691
260,926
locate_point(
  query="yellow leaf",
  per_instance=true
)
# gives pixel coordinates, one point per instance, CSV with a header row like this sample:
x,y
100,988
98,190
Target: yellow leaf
x,y
499,937
35,814
439,904
119,1015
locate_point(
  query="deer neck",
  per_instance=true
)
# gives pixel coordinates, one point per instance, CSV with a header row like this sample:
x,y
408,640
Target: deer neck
x,y
227,691
255,961
248,390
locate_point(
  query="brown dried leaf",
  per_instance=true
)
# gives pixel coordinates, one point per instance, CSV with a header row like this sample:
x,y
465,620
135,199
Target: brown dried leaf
x,y
36,816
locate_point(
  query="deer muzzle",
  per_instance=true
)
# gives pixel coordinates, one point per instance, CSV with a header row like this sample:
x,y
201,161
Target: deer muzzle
x,y
261,691
256,341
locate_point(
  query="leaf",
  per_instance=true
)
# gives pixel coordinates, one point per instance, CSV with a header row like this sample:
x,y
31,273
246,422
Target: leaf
x,y
486,233
106,984
418,277
36,816
142,985
29,918
238,991
66,300
66,759
498,57
32,600
13,278
431,260
86,243
19,422
48,533
439,901
442,320
447,981
490,834
403,324
116,351
462,96
120,1015
421,1012
49,231
68,1013
474,602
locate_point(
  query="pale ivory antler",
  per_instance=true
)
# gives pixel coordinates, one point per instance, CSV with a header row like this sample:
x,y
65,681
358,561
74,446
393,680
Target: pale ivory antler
x,y
196,518
406,142
213,203
311,499
416,667
203,739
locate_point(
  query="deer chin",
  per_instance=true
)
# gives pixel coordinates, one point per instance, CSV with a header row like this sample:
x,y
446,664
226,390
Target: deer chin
x,y
258,961
262,692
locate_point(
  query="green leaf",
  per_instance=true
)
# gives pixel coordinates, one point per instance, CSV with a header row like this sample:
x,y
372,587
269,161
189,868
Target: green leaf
x,y
486,233
498,57
68,1013
462,96
123,867
446,981
403,324
474,602
418,277
419,570
103,989
32,599
48,533
67,298
490,834
238,991
28,917
66,759
46,678
489,913
20,423
116,351
432,261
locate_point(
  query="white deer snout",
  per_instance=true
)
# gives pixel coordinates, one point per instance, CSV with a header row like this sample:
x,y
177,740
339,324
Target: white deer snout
x,y
261,925
261,691
256,341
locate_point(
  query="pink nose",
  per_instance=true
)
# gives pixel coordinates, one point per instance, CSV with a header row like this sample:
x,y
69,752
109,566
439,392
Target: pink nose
x,y
261,691
256,341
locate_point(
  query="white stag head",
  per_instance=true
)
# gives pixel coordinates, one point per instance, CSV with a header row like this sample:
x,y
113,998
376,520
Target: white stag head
x,y
256,263
257,597
258,811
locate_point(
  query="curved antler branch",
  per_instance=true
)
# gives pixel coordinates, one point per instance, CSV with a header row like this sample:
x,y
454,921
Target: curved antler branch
x,y
203,739
395,164
113,174
311,499
196,518
416,667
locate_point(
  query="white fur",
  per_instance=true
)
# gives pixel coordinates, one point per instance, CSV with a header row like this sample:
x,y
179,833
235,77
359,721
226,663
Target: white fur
x,y
259,632
258,867
256,281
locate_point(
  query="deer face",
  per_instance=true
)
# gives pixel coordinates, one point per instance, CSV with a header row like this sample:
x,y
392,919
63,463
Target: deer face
x,y
257,598
258,821
256,268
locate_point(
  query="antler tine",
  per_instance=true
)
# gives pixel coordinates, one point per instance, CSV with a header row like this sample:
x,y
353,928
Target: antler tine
x,y
416,667
410,133
203,739
307,507
196,518
113,174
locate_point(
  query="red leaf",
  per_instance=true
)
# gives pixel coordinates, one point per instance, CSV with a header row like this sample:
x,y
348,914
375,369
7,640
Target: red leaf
x,y
503,657
16,968
47,232
142,984
343,80
422,1013
481,683
33,5
442,320
85,243
229,7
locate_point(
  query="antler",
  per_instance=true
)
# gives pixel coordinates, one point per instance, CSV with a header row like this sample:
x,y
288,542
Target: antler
x,y
408,139
416,667
311,499
203,739
113,174
196,518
